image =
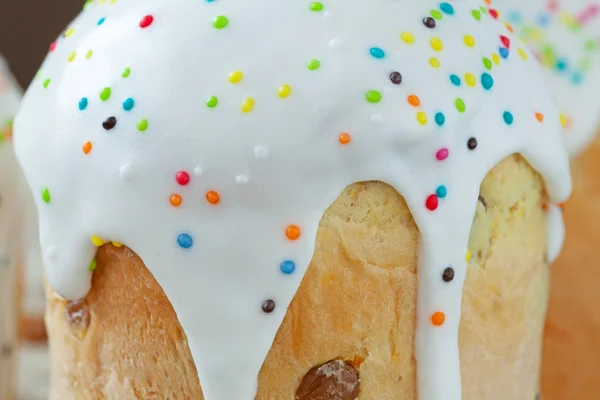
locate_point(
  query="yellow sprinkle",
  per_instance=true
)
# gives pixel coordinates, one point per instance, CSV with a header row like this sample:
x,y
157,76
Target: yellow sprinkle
x,y
563,119
89,54
117,244
69,32
436,44
468,256
407,37
469,40
470,79
523,54
422,118
235,76
284,91
248,104
101,1
496,58
97,241
434,62
72,57
113,1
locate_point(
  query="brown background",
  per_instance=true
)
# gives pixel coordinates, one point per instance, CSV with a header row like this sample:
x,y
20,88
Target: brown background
x,y
27,27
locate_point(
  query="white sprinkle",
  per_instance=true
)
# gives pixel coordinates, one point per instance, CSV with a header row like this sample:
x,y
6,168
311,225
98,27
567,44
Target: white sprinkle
x,y
378,118
336,43
126,171
261,152
198,170
241,179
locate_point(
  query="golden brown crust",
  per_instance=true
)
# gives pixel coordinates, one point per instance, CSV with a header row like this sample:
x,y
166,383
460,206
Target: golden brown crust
x,y
571,343
356,303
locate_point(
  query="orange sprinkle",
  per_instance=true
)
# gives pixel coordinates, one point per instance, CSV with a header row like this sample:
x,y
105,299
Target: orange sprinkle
x,y
438,318
488,2
175,200
345,138
292,232
562,205
509,27
414,100
545,206
540,117
213,197
87,147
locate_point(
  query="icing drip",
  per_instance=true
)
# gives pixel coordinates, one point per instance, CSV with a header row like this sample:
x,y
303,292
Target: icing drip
x,y
210,137
566,39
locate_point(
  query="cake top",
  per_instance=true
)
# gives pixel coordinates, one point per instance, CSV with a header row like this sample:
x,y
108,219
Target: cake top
x,y
210,136
565,37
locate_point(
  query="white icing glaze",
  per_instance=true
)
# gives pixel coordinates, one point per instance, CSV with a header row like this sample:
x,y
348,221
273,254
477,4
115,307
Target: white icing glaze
x,y
556,233
565,34
276,158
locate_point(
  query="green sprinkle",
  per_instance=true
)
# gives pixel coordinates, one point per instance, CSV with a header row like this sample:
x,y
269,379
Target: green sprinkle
x,y
313,64
585,64
46,195
47,83
477,15
590,45
212,102
87,4
126,72
220,22
373,96
93,265
487,63
142,125
105,94
316,6
483,9
436,14
460,105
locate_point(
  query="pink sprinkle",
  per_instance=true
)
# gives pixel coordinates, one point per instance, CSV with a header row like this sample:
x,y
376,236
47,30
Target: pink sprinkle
x,y
146,21
53,46
505,41
183,178
432,202
589,13
442,154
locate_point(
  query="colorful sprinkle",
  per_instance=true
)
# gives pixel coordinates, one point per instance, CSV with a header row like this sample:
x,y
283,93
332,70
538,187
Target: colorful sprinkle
x,y
434,62
105,94
460,105
47,83
487,63
284,91
508,118
422,118
213,197
414,100
97,241
93,265
442,154
504,52
455,80
185,241
447,8
83,103
268,306
313,64
128,104
101,21
212,102
89,54
487,81
69,32
469,41
496,58
539,117
468,256
438,318
109,123
523,54
470,80
292,232
142,126
235,76
436,14
505,41
376,52
440,119
476,14
429,22
287,267
126,73
175,200
146,21
373,96
472,143
396,77
441,192
344,138
220,22
407,37
432,202
315,6
87,147
52,46
436,44
72,57
448,275
247,104
182,178
46,195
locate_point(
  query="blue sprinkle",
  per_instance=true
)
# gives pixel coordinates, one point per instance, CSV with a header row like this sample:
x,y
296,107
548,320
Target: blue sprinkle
x,y
504,52
441,192
561,65
83,103
128,104
101,21
577,78
514,17
487,81
455,80
440,119
185,241
288,267
377,52
543,20
508,118
447,8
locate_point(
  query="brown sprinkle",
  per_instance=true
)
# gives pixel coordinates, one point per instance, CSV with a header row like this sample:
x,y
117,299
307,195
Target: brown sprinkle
x,y
268,306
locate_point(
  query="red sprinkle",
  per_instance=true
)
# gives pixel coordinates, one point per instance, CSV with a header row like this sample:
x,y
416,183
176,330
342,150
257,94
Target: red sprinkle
x,y
183,178
442,154
505,41
146,21
494,13
432,202
53,46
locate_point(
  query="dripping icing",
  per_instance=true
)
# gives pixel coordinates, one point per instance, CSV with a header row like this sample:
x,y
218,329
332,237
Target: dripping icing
x,y
279,131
